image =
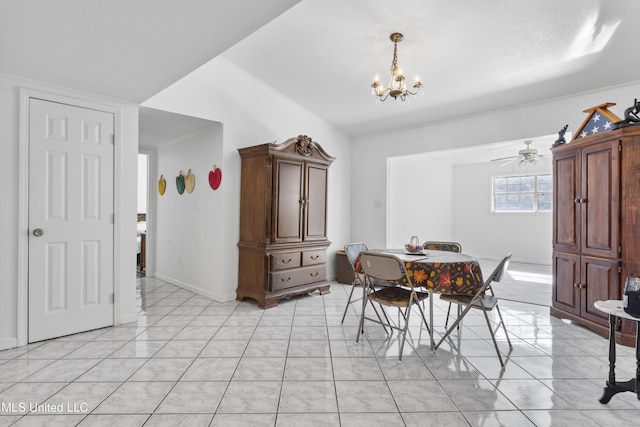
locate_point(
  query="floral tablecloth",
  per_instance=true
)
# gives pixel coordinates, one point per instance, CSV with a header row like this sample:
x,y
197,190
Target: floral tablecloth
x,y
441,271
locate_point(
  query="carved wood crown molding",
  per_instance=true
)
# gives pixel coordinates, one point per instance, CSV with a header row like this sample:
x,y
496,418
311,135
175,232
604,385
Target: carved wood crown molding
x,y
303,145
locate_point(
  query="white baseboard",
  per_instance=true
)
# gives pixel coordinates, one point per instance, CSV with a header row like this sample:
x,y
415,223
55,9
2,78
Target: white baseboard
x,y
128,318
7,343
195,289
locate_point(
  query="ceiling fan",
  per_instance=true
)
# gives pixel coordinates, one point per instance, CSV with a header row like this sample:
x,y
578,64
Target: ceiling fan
x,y
527,156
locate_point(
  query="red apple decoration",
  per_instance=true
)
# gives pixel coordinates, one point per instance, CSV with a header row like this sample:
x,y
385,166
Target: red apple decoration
x,y
215,177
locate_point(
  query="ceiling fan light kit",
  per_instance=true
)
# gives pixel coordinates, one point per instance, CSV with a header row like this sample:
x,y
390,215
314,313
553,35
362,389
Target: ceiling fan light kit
x,y
397,84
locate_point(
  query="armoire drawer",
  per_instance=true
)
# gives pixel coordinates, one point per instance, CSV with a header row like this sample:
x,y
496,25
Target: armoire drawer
x,y
318,256
300,276
283,260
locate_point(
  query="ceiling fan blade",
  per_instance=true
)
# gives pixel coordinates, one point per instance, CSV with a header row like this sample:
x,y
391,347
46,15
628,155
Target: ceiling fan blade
x,y
510,161
505,158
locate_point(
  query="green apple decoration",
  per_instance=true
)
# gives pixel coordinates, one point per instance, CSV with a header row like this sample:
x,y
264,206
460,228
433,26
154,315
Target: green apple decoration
x,y
180,183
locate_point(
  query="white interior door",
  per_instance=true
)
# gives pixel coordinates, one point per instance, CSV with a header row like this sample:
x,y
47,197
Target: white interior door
x,y
71,229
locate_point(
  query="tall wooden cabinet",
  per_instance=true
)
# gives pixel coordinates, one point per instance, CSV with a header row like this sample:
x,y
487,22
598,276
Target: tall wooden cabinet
x,y
596,225
283,220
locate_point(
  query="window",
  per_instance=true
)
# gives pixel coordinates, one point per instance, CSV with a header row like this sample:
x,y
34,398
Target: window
x,y
522,193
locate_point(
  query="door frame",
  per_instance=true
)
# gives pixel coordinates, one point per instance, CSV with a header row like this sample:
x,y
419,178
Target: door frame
x,y
150,261
23,200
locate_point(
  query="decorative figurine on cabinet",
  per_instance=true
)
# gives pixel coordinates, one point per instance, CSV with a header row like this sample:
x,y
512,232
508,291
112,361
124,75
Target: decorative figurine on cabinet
x,y
631,117
560,139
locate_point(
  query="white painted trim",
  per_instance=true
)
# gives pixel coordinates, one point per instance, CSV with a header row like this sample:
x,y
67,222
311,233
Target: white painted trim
x,y
8,343
91,102
196,289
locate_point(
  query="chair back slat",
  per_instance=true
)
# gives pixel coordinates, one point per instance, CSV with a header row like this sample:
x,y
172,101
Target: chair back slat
x,y
383,266
443,246
498,272
353,250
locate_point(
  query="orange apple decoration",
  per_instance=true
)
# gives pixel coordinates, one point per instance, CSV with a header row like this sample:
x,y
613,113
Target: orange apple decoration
x,y
215,177
189,182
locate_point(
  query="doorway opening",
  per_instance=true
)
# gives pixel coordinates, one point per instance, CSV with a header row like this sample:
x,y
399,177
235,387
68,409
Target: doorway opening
x,y
143,198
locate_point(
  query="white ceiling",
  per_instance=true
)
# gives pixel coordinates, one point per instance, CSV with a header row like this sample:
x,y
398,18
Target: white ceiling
x,y
473,56
126,49
158,127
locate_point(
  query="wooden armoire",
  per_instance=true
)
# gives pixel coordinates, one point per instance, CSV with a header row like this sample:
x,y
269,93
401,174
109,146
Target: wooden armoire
x,y
283,220
596,226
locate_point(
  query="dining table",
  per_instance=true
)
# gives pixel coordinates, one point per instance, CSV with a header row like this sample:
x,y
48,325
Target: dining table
x,y
439,272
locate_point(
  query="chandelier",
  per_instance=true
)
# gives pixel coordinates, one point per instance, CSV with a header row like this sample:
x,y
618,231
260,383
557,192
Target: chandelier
x,y
397,85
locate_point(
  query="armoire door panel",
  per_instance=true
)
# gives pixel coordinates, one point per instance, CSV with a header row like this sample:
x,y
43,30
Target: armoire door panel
x,y
600,283
316,203
601,200
288,202
566,278
567,218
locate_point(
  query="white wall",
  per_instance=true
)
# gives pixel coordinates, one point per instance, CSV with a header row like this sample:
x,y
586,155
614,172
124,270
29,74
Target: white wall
x,y
420,200
494,235
252,113
189,227
544,118
14,233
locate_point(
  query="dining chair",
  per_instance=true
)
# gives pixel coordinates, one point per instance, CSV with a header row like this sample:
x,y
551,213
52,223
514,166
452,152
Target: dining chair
x,y
485,300
389,268
442,246
352,251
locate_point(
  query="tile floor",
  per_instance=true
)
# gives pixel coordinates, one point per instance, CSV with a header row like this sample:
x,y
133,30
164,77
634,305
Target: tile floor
x,y
193,362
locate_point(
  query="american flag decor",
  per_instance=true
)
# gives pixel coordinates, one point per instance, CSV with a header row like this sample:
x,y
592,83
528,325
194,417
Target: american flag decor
x,y
599,120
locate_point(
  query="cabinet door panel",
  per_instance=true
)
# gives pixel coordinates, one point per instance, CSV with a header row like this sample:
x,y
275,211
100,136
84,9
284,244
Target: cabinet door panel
x,y
287,204
601,209
600,281
566,218
316,203
566,275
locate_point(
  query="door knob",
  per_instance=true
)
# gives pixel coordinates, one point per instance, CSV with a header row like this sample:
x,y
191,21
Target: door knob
x,y
38,232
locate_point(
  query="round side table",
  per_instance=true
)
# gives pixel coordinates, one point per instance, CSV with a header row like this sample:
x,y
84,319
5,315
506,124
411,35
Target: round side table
x,y
614,309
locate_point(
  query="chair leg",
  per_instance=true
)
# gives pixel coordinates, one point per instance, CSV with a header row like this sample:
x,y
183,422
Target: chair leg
x,y
384,313
493,337
429,327
432,343
455,324
506,334
353,286
365,298
380,318
404,331
459,310
446,322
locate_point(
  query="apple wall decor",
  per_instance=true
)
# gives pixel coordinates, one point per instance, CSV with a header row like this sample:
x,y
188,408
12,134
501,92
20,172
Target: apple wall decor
x,y
162,185
180,183
215,177
189,181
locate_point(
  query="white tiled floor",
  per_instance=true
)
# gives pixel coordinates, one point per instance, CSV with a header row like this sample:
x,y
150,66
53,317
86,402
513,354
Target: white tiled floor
x,y
193,362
